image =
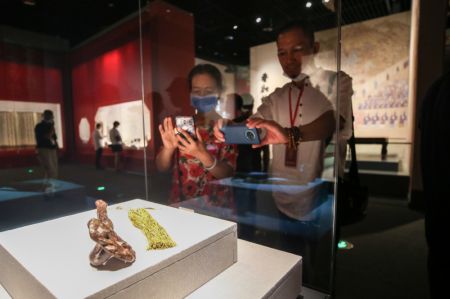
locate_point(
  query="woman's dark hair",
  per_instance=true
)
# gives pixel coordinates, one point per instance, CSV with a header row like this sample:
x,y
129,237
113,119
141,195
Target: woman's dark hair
x,y
116,123
206,69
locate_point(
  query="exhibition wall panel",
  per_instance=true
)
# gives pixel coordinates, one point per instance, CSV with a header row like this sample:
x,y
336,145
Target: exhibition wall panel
x,y
30,81
106,74
110,78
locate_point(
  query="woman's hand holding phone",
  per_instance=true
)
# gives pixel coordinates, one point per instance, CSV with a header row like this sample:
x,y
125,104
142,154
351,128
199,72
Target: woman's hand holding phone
x,y
187,144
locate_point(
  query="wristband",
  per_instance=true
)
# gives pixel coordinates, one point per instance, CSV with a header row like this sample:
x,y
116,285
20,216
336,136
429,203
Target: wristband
x,y
212,166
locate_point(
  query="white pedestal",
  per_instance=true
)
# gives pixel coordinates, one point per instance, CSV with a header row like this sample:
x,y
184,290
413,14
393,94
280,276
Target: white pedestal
x,y
260,272
50,259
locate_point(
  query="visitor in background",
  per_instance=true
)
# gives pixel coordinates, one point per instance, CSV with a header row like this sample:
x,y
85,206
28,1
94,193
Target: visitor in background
x,y
98,144
47,149
248,159
116,144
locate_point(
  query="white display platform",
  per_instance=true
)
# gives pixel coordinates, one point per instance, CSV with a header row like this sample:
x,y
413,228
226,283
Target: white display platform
x,y
50,259
260,272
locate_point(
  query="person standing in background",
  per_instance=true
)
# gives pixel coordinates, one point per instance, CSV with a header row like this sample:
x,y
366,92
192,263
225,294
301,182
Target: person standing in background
x,y
47,148
116,144
248,159
98,144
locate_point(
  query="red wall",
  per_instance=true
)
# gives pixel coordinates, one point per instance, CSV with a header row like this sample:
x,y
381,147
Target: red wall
x,y
29,75
107,71
172,57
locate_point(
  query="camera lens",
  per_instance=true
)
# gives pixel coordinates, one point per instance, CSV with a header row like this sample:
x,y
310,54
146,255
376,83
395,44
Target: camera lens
x,y
250,135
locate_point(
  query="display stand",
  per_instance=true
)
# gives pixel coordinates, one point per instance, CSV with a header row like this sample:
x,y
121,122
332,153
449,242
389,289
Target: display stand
x,y
260,272
51,258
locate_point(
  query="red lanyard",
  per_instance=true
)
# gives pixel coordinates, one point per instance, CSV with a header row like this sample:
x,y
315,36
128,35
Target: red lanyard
x,y
292,117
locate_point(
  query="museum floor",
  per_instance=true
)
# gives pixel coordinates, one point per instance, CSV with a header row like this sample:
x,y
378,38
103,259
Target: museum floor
x,y
389,255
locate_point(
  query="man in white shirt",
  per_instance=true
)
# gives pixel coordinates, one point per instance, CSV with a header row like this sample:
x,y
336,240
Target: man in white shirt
x,y
325,81
300,105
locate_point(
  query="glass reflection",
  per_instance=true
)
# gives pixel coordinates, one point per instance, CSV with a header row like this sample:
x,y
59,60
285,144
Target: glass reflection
x,y
125,89
63,84
190,144
290,207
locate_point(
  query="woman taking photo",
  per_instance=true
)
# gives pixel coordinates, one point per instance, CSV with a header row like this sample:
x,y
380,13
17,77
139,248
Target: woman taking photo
x,y
197,160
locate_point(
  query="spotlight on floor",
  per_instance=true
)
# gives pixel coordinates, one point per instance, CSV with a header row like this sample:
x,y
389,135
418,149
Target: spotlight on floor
x,y
345,245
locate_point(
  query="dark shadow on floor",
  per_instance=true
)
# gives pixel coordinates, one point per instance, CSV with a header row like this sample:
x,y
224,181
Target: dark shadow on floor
x,y
383,214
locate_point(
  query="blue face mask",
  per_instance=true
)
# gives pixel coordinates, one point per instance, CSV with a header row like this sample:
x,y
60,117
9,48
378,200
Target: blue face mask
x,y
204,103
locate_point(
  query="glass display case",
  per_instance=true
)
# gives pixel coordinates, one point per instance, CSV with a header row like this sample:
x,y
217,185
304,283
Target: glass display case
x,y
89,93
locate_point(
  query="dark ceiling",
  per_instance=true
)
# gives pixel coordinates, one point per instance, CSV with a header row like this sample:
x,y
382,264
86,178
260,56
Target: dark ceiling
x,y
77,20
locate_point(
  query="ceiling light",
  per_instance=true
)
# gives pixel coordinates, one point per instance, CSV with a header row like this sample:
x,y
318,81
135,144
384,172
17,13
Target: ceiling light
x,y
308,4
168,10
111,4
29,2
326,1
229,37
235,27
258,20
234,54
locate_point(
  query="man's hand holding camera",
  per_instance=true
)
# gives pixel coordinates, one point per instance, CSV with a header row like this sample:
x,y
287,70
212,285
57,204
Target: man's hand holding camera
x,y
274,133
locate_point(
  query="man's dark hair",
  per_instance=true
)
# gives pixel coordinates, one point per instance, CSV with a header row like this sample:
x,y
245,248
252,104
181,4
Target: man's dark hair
x,y
304,25
206,69
116,123
98,125
48,114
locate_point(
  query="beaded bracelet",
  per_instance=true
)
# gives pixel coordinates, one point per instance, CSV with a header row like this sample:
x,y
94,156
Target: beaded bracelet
x,y
212,166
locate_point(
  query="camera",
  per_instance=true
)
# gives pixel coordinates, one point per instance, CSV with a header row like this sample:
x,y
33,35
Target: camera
x,y
240,134
250,135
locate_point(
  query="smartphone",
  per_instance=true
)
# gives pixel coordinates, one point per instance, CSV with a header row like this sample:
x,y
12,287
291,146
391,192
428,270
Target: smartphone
x,y
240,134
186,123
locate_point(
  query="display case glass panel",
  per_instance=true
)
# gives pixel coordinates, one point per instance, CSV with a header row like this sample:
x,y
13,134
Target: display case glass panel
x,y
90,92
68,72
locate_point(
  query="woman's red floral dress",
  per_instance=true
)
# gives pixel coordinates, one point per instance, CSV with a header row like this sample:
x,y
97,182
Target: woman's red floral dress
x,y
190,176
